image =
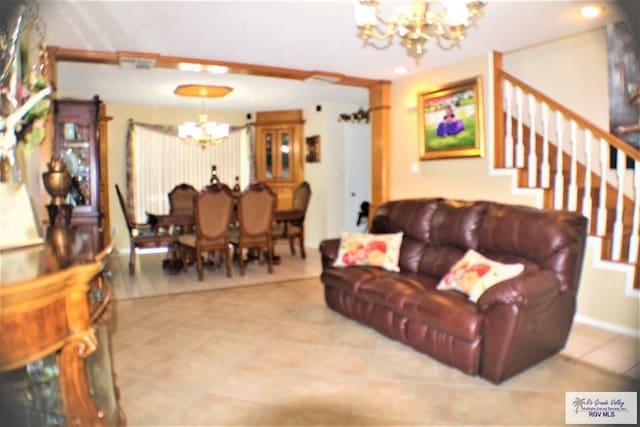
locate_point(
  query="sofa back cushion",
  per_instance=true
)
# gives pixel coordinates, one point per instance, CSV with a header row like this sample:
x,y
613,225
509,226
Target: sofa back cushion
x,y
456,223
552,239
437,233
413,218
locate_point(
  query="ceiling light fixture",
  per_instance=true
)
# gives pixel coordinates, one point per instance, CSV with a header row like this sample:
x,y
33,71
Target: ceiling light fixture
x,y
417,23
591,11
203,132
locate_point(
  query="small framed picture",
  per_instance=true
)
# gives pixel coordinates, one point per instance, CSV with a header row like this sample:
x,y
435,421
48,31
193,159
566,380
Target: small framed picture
x,y
450,121
313,149
70,131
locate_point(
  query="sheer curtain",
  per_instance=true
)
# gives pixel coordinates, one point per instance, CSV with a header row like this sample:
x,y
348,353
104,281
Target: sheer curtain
x,y
159,160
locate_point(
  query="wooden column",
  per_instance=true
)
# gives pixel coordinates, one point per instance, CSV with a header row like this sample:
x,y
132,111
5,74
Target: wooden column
x,y
498,112
380,119
103,147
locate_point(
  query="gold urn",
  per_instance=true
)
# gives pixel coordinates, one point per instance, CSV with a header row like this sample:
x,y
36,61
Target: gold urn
x,y
57,181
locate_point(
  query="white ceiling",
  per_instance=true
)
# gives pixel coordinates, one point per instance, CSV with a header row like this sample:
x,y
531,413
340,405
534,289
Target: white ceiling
x,y
307,35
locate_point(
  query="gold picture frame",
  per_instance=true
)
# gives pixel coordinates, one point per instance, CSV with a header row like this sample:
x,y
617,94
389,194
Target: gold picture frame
x,y
450,121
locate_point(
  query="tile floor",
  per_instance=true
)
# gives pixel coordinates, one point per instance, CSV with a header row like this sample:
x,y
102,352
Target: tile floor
x,y
273,354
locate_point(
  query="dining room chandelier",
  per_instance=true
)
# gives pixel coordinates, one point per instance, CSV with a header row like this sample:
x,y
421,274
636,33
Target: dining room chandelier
x,y
446,21
203,132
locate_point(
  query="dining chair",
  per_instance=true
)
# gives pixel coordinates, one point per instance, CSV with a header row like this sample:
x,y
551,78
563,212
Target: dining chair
x,y
181,203
293,227
256,205
141,235
213,209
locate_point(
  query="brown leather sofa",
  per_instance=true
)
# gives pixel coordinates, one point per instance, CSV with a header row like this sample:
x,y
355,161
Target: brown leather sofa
x,y
514,324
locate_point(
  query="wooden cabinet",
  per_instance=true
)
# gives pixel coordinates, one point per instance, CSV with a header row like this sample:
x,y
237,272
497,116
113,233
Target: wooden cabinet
x,y
80,139
55,363
279,152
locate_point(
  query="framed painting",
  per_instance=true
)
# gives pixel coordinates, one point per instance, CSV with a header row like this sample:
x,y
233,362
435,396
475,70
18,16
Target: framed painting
x,y
450,120
312,149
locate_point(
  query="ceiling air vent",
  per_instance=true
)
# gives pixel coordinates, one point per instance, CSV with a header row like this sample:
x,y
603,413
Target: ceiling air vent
x,y
137,63
322,79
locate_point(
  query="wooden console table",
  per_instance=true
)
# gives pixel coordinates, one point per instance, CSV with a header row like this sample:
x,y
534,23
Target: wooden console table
x,y
55,362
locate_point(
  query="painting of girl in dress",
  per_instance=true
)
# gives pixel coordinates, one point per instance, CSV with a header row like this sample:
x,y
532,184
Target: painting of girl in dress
x,y
450,121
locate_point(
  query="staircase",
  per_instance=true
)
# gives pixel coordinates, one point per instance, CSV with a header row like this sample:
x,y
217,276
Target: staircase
x,y
553,149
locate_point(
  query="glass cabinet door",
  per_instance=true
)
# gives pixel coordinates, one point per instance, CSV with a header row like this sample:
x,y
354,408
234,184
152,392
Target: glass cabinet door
x,y
75,149
31,395
268,154
285,149
77,143
276,150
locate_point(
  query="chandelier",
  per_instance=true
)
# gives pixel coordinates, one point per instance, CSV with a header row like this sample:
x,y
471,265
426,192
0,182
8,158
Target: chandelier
x,y
203,132
415,24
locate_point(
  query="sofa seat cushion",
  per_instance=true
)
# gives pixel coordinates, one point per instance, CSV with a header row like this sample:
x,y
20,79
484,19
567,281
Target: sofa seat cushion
x,y
394,290
350,278
447,311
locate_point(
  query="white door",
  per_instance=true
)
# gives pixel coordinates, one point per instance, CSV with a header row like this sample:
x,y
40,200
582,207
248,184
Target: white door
x,y
357,173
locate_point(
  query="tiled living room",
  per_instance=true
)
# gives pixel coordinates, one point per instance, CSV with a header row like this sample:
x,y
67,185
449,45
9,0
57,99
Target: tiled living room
x,y
537,108
274,354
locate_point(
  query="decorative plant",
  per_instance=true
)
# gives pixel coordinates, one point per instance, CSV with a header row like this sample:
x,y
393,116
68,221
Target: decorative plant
x,y
23,88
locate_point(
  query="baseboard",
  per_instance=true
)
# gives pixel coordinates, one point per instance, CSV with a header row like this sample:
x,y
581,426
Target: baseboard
x,y
609,326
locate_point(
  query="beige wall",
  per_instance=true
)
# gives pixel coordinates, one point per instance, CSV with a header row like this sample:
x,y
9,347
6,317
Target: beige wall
x,y
572,70
466,178
575,69
117,151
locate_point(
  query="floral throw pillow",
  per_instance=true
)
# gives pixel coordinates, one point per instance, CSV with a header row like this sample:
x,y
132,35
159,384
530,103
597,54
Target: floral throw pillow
x,y
474,274
377,250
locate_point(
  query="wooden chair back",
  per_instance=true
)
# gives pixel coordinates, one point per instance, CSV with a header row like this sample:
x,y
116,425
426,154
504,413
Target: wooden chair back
x,y
213,211
301,198
181,199
125,211
255,209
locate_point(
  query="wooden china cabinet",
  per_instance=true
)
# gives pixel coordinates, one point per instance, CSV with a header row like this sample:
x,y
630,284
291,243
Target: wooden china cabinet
x,y
279,152
80,138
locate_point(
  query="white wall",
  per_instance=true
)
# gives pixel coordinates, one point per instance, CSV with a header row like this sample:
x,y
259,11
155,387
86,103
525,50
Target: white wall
x,y
571,70
325,218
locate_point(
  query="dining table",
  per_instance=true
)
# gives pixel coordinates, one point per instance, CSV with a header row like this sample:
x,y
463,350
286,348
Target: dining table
x,y
177,224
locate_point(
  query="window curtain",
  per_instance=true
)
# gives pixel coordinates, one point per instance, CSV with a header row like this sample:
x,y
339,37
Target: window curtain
x,y
157,161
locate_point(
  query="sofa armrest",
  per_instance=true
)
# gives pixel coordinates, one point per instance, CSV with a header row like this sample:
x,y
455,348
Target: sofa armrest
x,y
329,250
529,289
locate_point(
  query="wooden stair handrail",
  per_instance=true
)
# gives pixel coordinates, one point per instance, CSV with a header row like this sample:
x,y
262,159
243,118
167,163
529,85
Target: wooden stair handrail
x,y
597,131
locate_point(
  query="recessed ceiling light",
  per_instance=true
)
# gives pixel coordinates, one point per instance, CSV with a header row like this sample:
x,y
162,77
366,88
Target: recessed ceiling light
x,y
591,11
400,70
217,69
189,66
202,91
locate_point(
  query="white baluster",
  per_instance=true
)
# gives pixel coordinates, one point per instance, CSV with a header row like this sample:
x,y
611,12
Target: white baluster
x,y
573,172
618,226
635,227
587,202
602,203
559,180
519,142
545,171
532,170
508,137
